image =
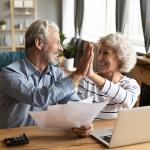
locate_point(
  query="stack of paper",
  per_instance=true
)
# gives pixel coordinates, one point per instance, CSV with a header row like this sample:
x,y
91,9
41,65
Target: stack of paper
x,y
66,116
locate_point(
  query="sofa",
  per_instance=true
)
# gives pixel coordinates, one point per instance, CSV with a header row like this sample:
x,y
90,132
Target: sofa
x,y
7,57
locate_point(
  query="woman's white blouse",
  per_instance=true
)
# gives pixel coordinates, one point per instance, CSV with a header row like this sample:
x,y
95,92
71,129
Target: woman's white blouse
x,y
121,95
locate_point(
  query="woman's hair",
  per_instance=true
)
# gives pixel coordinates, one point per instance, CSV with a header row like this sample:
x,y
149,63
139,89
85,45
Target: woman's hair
x,y
38,29
123,48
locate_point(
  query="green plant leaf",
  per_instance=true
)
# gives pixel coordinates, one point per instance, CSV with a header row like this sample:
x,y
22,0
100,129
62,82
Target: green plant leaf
x,y
62,37
2,22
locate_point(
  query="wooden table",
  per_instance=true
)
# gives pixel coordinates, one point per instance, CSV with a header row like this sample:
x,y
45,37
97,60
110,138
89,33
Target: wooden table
x,y
60,140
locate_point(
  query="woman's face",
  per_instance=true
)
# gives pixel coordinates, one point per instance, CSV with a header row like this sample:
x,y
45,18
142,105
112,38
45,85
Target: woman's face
x,y
108,61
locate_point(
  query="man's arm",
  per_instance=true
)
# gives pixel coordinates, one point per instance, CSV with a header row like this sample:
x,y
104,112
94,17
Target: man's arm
x,y
19,88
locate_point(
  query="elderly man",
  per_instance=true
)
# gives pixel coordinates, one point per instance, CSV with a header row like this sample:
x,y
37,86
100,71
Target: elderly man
x,y
34,83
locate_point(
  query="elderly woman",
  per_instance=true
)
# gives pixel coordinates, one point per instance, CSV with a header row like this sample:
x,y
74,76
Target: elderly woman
x,y
115,57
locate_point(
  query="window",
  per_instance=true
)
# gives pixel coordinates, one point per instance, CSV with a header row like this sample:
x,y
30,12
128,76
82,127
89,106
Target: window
x,y
68,17
133,28
94,19
99,20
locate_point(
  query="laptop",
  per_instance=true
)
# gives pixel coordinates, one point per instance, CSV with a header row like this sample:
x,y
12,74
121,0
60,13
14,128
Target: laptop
x,y
131,126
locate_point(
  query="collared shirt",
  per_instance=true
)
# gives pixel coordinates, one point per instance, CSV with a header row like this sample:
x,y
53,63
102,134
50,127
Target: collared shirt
x,y
23,88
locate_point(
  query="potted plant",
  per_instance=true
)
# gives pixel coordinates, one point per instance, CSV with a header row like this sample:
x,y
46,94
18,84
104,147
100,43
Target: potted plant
x,y
69,54
2,24
62,37
66,57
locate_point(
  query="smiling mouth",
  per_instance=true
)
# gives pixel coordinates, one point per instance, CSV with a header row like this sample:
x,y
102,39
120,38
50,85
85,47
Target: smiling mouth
x,y
101,65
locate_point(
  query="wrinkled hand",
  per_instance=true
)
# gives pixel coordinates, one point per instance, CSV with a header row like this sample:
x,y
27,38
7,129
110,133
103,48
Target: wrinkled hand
x,y
90,70
85,60
84,131
83,65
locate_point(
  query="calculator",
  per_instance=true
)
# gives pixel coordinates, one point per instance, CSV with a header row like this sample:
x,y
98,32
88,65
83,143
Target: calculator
x,y
19,140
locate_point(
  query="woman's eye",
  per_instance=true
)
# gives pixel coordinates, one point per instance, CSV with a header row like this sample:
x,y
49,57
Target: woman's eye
x,y
105,53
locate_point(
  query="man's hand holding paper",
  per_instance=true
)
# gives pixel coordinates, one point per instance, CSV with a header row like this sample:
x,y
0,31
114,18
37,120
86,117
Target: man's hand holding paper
x,y
67,116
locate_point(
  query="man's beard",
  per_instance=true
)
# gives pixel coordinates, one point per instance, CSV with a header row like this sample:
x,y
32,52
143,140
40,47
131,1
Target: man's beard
x,y
51,58
54,61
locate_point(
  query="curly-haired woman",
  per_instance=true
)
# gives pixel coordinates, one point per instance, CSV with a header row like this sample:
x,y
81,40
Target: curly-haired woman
x,y
115,57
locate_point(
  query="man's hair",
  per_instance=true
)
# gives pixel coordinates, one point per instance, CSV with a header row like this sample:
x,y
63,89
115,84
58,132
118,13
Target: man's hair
x,y
122,47
38,29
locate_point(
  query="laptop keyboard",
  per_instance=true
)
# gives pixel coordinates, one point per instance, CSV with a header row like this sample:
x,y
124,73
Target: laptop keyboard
x,y
107,138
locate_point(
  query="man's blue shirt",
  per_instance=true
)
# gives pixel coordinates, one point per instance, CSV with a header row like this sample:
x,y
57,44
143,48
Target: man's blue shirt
x,y
23,88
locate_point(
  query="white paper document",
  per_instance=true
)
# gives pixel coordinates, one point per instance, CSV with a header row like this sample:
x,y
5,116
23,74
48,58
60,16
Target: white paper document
x,y
66,116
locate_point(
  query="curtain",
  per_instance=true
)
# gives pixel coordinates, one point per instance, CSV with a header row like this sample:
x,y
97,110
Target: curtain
x,y
60,14
79,10
121,15
145,14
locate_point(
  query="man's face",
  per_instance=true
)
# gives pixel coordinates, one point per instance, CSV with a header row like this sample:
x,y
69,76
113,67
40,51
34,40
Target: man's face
x,y
52,47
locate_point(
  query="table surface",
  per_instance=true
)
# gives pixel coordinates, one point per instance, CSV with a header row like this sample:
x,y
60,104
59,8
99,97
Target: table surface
x,y
42,139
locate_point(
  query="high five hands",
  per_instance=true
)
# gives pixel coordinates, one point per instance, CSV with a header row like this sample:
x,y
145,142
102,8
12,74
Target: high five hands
x,y
84,65
86,59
